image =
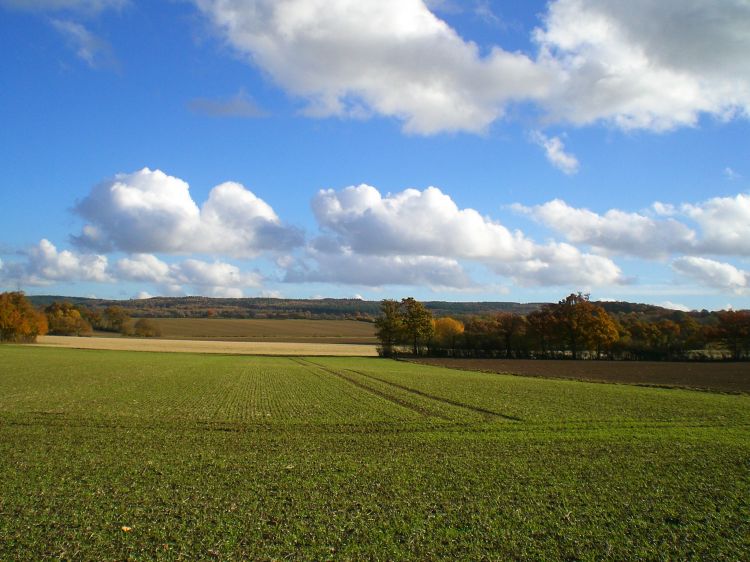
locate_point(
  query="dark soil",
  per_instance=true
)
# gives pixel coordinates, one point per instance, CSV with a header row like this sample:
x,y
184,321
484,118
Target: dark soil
x,y
722,377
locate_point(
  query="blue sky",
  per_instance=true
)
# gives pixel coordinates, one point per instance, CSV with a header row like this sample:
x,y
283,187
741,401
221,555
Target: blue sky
x,y
457,150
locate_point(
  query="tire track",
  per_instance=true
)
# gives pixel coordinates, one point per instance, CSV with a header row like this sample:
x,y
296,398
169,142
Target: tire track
x,y
403,403
456,403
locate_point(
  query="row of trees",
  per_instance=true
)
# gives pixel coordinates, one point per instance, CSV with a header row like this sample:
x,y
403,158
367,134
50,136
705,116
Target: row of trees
x,y
573,327
21,322
66,319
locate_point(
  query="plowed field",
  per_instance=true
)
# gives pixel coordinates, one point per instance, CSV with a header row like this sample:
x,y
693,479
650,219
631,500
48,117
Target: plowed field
x,y
723,377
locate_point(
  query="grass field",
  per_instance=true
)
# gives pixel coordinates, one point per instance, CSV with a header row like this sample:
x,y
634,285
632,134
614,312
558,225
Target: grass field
x,y
292,331
117,455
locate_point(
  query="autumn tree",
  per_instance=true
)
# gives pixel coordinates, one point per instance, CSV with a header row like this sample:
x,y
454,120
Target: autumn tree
x,y
19,320
577,318
64,319
389,326
417,323
509,327
734,331
145,328
542,327
604,331
115,319
447,330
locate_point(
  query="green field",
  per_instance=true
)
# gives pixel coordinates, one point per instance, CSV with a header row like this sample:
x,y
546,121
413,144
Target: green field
x,y
219,457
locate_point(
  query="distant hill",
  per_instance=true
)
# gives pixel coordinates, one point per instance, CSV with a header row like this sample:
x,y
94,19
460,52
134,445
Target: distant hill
x,y
202,307
206,307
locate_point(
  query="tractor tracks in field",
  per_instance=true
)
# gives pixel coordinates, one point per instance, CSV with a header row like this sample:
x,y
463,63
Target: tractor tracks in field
x,y
394,399
455,403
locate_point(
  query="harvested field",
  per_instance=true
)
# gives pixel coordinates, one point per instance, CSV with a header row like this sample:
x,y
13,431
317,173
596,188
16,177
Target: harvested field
x,y
293,331
723,377
211,346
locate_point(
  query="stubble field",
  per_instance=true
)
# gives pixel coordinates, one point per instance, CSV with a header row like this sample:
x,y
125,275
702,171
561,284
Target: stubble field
x,y
260,330
117,455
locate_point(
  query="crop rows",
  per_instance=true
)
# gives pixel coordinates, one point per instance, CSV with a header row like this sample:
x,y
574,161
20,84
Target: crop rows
x,y
219,457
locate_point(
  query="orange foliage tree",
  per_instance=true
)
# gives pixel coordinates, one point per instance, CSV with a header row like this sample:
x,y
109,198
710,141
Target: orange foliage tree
x,y
19,320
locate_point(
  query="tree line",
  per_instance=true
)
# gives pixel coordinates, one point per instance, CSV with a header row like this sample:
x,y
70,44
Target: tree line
x,y
21,322
572,328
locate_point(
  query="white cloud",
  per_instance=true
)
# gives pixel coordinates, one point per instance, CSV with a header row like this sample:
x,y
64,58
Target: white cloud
x,y
93,50
638,65
426,230
616,231
413,222
723,227
149,211
725,224
554,150
145,268
713,273
647,65
561,264
347,267
674,306
391,57
45,265
205,278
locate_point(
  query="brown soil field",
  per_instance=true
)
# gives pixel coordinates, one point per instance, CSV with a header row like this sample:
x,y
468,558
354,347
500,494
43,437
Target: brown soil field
x,y
215,346
723,377
290,331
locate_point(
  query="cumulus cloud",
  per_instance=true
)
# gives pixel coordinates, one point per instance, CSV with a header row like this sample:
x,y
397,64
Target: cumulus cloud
x,y
561,264
724,222
413,222
44,264
644,64
426,230
554,150
347,267
238,105
638,65
206,278
615,231
713,273
391,57
150,211
723,227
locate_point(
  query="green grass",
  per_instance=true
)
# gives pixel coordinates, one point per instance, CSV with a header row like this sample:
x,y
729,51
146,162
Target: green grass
x,y
338,458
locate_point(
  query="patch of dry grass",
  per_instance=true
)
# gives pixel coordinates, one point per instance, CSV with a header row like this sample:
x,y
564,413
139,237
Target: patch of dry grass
x,y
223,347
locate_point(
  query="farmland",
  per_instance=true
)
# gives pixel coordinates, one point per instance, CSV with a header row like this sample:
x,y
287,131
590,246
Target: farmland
x,y
718,376
210,346
291,331
116,455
